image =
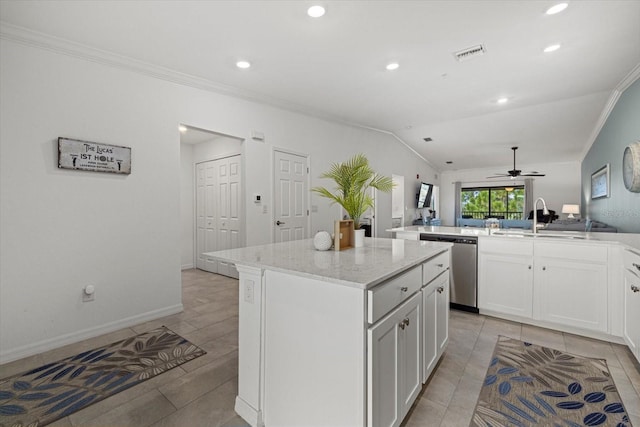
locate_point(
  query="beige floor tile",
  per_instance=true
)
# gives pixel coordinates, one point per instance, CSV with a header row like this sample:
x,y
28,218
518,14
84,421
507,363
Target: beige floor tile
x,y
236,421
194,384
212,409
425,413
440,389
140,412
494,327
213,331
454,418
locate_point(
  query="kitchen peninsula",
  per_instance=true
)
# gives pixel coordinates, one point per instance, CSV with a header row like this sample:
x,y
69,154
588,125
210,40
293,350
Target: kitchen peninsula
x,y
340,338
582,283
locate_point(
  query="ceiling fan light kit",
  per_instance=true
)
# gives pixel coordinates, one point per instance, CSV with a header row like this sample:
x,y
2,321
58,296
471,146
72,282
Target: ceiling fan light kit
x,y
514,173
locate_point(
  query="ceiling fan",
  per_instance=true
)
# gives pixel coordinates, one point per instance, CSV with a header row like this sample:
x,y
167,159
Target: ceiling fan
x,y
514,173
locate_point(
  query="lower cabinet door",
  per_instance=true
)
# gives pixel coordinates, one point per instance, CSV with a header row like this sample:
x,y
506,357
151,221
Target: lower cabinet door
x,y
442,313
394,364
410,353
429,327
571,293
631,325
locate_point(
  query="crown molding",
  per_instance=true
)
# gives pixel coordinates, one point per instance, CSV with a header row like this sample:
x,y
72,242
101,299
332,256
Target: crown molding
x,y
62,46
624,84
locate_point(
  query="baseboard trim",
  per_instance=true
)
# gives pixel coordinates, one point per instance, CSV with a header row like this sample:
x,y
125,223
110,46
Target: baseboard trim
x,y
603,336
187,266
62,340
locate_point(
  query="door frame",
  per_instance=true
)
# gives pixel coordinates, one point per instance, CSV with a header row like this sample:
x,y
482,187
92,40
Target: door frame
x,y
273,188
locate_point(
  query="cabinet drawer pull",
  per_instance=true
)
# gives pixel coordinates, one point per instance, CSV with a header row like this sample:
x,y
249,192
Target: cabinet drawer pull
x,y
404,289
544,268
635,288
637,266
406,321
440,289
442,265
529,267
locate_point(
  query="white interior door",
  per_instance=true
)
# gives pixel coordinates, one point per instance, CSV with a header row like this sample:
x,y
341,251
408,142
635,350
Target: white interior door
x,y
218,212
206,240
291,196
228,205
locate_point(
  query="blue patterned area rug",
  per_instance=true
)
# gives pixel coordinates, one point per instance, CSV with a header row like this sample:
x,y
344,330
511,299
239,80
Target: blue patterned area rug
x,y
530,385
55,390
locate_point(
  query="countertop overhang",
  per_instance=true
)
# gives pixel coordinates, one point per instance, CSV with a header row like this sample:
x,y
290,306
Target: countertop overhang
x,y
378,260
631,240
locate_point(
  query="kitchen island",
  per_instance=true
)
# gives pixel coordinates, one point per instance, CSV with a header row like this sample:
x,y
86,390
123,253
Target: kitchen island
x,y
339,338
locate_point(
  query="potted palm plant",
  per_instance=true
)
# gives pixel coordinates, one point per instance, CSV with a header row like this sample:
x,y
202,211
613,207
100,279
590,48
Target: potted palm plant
x,y
353,179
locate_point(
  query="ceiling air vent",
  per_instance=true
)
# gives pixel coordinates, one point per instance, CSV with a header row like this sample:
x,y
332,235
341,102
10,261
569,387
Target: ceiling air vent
x,y
427,139
469,53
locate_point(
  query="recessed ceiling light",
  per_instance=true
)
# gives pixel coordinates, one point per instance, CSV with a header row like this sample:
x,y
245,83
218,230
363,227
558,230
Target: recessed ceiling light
x,y
243,64
392,66
316,11
551,48
182,128
502,100
557,8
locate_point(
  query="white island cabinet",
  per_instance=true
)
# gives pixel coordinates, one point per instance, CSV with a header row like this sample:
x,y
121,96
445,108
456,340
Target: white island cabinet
x,y
631,323
334,338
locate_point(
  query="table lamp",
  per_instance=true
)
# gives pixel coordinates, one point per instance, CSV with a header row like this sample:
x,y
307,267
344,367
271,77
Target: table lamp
x,y
571,209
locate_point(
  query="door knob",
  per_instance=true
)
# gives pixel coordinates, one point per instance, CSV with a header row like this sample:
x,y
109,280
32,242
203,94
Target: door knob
x,y
404,289
635,289
279,222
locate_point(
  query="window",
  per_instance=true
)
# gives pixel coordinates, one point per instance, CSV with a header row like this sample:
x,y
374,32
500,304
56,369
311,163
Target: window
x,y
493,202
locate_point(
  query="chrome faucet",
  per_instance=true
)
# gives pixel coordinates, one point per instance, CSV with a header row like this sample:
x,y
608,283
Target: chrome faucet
x,y
545,211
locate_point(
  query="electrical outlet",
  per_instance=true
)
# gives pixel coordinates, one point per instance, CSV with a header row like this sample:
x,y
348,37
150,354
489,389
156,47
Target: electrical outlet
x,y
249,286
88,293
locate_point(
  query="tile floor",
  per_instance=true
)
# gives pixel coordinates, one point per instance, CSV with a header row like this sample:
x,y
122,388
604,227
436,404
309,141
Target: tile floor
x,y
202,392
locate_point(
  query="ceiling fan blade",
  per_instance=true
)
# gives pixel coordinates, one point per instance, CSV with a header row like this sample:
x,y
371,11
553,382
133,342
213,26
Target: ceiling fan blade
x,y
499,175
533,174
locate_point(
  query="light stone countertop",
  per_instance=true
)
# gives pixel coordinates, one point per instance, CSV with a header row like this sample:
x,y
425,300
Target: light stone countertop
x,y
631,240
363,268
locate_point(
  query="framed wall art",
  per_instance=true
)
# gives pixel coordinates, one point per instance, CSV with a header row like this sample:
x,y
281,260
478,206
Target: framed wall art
x,y
600,183
93,156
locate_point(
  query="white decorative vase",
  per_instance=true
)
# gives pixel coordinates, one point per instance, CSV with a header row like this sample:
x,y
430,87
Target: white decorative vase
x,y
358,237
322,241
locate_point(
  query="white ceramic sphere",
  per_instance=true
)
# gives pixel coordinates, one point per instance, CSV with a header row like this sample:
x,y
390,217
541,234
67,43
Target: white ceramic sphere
x,y
322,241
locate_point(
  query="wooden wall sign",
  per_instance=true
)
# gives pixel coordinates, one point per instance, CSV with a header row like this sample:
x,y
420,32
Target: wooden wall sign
x,y
343,234
92,156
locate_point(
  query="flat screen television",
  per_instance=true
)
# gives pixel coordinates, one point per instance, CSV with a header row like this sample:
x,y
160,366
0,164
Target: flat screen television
x,y
424,195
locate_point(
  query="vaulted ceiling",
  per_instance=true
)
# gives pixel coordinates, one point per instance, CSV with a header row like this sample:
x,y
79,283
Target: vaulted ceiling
x,y
334,66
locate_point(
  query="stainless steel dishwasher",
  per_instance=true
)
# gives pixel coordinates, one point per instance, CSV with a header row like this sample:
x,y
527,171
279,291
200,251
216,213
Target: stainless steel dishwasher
x,y
464,269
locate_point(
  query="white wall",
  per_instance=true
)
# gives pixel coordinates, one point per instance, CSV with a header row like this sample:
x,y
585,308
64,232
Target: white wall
x,y
560,185
62,230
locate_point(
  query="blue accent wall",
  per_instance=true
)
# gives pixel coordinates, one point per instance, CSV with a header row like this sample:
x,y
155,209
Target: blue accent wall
x,y
622,208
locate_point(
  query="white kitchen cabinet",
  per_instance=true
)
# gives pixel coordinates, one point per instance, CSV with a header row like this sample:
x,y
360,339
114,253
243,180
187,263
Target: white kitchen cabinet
x,y
435,319
570,282
442,313
394,364
631,323
505,276
430,344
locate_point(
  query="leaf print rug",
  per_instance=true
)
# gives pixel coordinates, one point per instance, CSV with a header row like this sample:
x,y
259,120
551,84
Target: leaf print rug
x,y
55,390
530,385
